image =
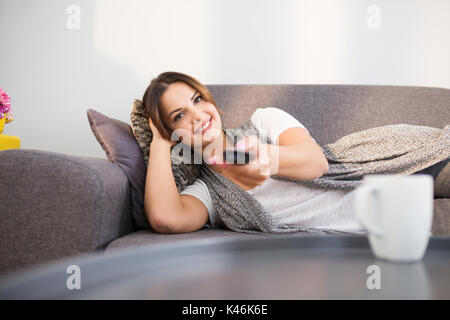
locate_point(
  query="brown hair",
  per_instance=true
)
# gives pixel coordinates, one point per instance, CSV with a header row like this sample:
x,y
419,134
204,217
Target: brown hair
x,y
160,84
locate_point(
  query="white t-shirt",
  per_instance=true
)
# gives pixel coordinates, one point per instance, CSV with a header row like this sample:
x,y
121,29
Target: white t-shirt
x,y
289,201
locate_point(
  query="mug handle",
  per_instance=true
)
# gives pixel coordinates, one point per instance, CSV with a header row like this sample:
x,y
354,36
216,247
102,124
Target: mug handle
x,y
363,194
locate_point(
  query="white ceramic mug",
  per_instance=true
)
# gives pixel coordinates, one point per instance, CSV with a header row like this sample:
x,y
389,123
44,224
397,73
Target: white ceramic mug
x,y
397,212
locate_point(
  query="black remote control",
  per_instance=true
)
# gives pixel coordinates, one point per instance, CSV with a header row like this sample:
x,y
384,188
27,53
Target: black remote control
x,y
237,156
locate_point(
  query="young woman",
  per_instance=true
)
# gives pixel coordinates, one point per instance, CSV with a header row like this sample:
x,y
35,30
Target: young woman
x,y
174,102
178,103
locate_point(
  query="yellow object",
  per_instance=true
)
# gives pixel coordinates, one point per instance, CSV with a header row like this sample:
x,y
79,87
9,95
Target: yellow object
x,y
8,142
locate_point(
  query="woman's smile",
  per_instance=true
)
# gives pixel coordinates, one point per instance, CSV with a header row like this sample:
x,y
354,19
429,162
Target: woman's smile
x,y
206,126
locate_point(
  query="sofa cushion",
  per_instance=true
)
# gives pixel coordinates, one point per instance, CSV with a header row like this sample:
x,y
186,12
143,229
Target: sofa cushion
x,y
144,237
117,139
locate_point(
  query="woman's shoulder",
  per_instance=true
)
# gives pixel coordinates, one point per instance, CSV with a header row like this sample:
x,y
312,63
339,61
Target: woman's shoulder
x,y
270,117
266,112
273,121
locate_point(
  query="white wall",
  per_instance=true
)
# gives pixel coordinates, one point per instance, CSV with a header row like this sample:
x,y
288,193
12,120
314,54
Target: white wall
x,y
54,74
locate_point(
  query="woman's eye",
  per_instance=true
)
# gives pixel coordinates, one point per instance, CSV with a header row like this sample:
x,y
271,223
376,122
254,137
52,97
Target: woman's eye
x,y
198,97
177,117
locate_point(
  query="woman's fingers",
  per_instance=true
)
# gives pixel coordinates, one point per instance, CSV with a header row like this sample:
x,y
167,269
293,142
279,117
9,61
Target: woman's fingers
x,y
157,134
249,144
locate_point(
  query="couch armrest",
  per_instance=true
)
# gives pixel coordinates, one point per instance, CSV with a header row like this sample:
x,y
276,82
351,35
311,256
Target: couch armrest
x,y
55,205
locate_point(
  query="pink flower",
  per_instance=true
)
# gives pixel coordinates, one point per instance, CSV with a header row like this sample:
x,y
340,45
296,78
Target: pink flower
x,y
5,106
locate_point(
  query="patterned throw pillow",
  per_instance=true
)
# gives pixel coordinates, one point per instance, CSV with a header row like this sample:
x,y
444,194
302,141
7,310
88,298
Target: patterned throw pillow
x,y
184,173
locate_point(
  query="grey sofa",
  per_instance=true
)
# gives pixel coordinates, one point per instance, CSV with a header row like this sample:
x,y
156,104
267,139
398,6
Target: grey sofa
x,y
55,205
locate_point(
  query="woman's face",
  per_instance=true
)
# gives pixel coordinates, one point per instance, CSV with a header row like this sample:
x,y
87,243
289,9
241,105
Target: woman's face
x,y
184,111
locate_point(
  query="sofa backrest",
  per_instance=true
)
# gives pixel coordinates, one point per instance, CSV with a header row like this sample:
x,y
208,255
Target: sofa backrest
x,y
332,111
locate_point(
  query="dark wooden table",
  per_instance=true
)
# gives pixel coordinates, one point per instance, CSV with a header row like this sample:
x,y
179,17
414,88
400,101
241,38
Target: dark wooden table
x,y
278,267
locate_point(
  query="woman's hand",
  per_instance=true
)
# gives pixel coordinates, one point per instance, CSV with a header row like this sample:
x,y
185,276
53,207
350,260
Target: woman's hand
x,y
258,169
260,151
157,137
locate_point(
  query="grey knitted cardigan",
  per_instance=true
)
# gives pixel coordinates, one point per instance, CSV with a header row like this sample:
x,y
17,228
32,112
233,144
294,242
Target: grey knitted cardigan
x,y
392,149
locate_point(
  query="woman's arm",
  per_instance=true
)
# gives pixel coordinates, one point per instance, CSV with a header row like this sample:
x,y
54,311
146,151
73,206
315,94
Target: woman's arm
x,y
297,156
167,211
294,154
